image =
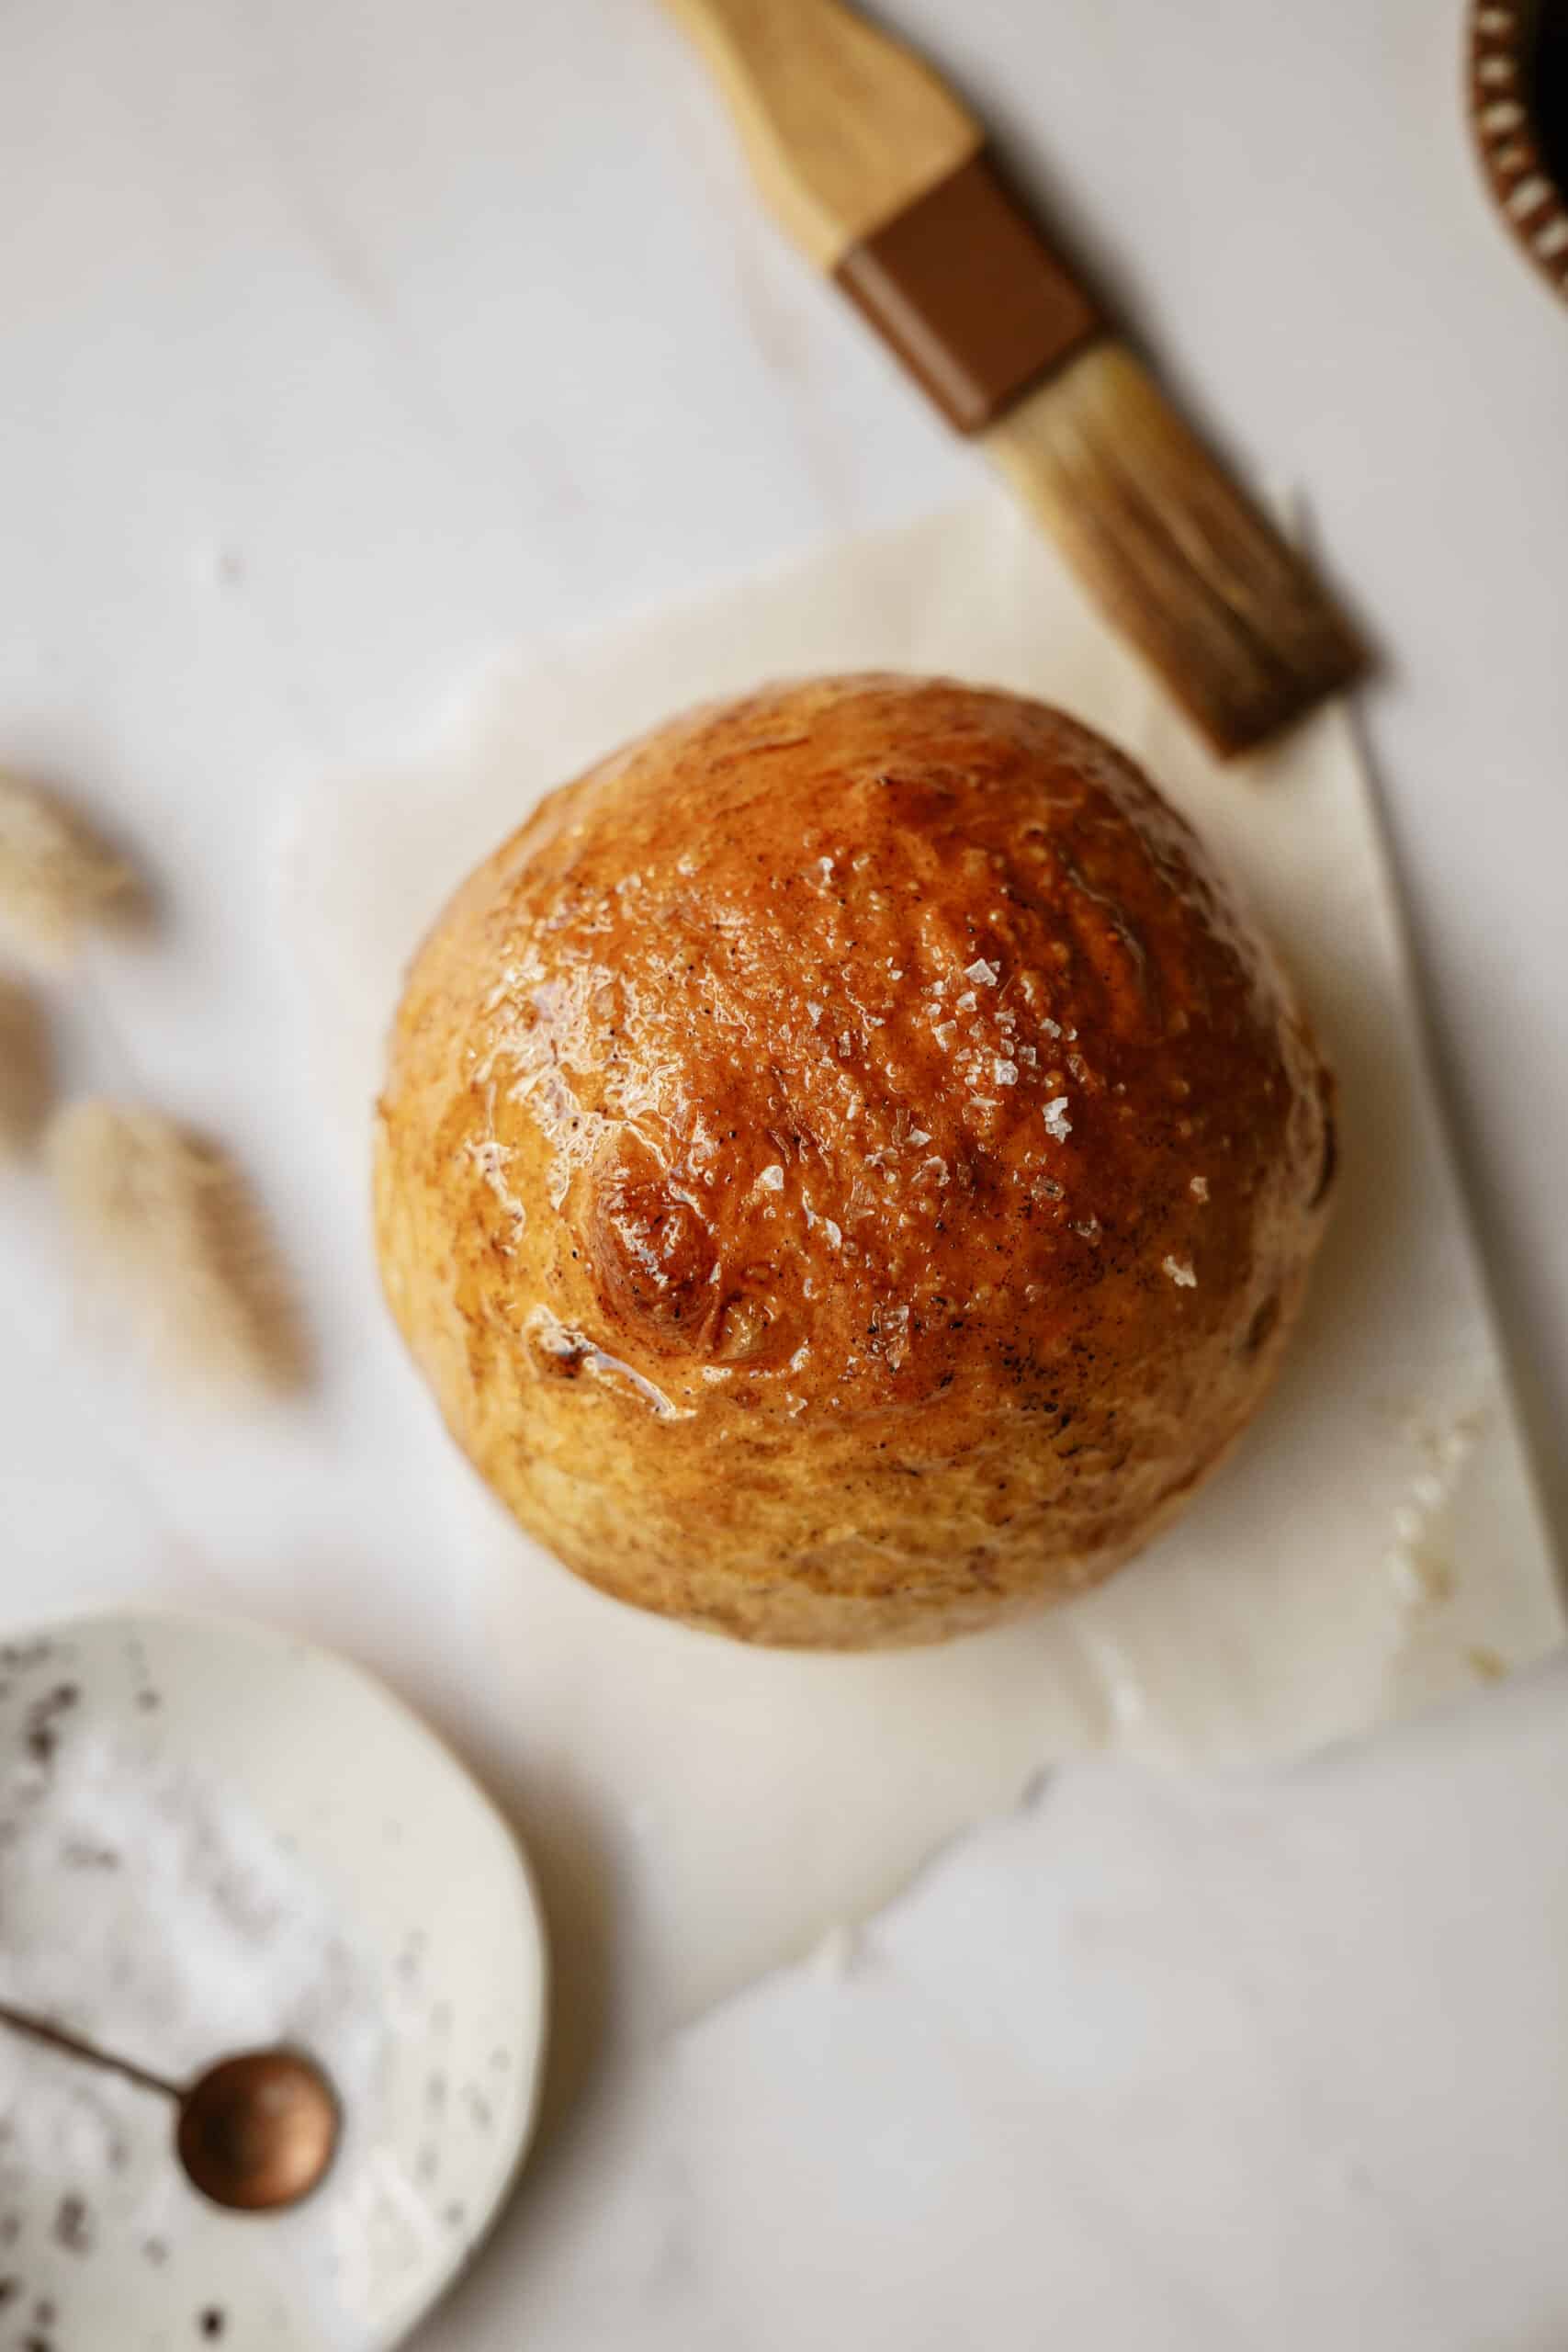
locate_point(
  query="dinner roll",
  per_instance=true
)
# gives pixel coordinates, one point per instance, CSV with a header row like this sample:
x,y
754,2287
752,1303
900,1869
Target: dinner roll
x,y
848,1166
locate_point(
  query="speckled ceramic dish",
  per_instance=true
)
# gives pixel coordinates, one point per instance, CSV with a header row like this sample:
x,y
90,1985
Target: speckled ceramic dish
x,y
212,1837
1519,96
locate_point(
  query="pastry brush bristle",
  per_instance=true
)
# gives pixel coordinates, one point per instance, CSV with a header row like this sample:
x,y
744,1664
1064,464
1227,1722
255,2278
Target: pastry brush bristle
x,y
168,1224
1175,555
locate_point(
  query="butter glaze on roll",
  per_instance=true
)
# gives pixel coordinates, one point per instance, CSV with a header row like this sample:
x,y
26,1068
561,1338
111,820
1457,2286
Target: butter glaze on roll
x,y
848,1168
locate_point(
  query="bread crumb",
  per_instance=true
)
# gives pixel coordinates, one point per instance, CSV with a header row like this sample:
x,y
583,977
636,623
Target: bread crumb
x,y
1419,1576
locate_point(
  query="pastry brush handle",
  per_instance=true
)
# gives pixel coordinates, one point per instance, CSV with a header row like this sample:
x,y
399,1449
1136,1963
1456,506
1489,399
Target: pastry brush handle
x,y
843,126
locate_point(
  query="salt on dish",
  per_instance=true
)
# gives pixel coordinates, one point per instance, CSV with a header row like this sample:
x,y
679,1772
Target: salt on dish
x,y
215,1837
157,1918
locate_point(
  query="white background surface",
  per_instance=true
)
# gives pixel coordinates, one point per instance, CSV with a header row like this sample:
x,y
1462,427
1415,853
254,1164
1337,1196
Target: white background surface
x,y
344,344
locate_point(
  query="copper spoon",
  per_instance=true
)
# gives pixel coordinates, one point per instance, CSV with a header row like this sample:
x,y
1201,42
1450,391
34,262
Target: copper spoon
x,y
254,2133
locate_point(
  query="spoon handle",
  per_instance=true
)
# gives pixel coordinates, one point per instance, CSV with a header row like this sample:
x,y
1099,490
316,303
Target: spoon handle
x,y
53,2037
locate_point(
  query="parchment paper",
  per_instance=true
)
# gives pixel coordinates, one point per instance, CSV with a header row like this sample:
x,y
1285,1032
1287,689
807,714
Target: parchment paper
x,y
1373,1545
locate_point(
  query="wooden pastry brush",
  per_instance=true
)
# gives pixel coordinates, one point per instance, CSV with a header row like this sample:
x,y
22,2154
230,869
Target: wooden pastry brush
x,y
881,175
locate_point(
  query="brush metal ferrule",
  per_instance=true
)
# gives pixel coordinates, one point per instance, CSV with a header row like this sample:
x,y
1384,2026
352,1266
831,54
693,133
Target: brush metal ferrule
x,y
963,290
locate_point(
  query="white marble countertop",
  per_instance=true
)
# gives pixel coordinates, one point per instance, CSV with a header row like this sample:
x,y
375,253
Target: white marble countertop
x,y
345,344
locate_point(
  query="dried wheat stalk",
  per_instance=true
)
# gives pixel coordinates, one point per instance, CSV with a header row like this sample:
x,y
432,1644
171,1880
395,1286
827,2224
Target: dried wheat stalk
x,y
24,1071
56,879
167,1223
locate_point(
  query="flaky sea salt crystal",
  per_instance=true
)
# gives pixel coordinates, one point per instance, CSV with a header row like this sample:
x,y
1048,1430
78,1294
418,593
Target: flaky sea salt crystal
x,y
771,1178
137,1892
1057,1123
1181,1274
1199,1188
985,975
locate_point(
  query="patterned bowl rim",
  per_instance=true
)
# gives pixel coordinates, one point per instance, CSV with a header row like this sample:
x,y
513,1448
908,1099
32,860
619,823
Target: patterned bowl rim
x,y
1533,206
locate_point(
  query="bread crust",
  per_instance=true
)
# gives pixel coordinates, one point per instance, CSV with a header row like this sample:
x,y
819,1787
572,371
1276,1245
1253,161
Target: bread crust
x,y
848,1168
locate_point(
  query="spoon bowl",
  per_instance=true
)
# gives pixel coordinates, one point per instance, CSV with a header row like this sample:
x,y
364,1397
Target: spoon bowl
x,y
258,2132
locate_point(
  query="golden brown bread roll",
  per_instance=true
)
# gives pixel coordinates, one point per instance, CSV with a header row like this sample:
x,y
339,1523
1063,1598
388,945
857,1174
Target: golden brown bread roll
x,y
847,1168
